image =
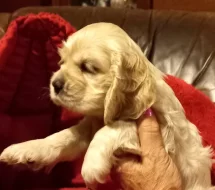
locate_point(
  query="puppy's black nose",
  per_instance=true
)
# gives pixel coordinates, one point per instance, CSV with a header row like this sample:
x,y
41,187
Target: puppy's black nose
x,y
58,85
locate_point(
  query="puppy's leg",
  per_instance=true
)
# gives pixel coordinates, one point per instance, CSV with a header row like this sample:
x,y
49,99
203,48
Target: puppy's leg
x,y
65,145
98,160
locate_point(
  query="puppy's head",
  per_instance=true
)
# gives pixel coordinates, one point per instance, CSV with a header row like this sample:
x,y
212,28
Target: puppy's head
x,y
103,73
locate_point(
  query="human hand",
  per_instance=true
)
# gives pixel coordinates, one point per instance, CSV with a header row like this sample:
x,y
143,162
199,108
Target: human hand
x,y
156,170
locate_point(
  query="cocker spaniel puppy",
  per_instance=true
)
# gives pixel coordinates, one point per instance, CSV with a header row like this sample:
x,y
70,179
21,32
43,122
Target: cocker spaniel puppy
x,y
105,76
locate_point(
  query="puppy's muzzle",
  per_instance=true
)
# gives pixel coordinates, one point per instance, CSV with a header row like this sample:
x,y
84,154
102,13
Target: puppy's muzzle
x,y
58,85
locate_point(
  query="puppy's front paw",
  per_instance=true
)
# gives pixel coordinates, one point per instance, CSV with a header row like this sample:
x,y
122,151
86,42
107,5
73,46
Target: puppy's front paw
x,y
95,169
36,154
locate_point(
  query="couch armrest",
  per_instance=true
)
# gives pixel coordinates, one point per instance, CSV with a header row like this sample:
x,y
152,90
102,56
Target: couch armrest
x,y
4,21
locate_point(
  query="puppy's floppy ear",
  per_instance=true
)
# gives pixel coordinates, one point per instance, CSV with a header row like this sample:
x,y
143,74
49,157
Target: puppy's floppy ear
x,y
133,87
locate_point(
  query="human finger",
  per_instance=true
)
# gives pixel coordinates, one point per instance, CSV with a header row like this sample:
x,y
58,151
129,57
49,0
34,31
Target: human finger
x,y
149,132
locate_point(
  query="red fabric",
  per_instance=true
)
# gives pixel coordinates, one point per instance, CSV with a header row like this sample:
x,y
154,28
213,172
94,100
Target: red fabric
x,y
28,56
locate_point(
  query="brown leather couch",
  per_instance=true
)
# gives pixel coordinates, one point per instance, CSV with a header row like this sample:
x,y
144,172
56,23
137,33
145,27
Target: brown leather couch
x,y
178,43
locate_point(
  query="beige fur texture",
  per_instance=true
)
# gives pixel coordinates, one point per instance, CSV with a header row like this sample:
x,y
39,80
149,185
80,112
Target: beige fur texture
x,y
107,78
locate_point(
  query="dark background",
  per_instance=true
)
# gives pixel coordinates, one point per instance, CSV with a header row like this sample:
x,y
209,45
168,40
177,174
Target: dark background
x,y
187,5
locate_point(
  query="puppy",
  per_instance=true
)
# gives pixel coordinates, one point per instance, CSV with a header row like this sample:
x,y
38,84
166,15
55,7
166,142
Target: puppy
x,y
105,76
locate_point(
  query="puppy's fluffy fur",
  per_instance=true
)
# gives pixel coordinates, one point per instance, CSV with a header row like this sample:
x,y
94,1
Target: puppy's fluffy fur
x,y
107,78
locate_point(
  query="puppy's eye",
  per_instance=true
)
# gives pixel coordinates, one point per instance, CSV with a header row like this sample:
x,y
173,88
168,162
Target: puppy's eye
x,y
89,68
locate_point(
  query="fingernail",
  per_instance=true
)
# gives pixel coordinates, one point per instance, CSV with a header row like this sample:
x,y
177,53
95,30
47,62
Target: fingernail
x,y
149,112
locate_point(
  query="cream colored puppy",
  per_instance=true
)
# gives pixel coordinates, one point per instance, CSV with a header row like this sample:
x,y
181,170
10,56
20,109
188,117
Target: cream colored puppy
x,y
105,76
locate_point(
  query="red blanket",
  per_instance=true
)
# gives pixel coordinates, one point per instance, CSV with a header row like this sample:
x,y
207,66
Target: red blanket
x,y
28,56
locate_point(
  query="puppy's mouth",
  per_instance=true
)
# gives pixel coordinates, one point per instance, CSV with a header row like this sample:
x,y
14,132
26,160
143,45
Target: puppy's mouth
x,y
56,98
60,100
63,98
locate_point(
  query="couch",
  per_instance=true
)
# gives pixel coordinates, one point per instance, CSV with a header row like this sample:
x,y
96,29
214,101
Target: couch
x,y
178,43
